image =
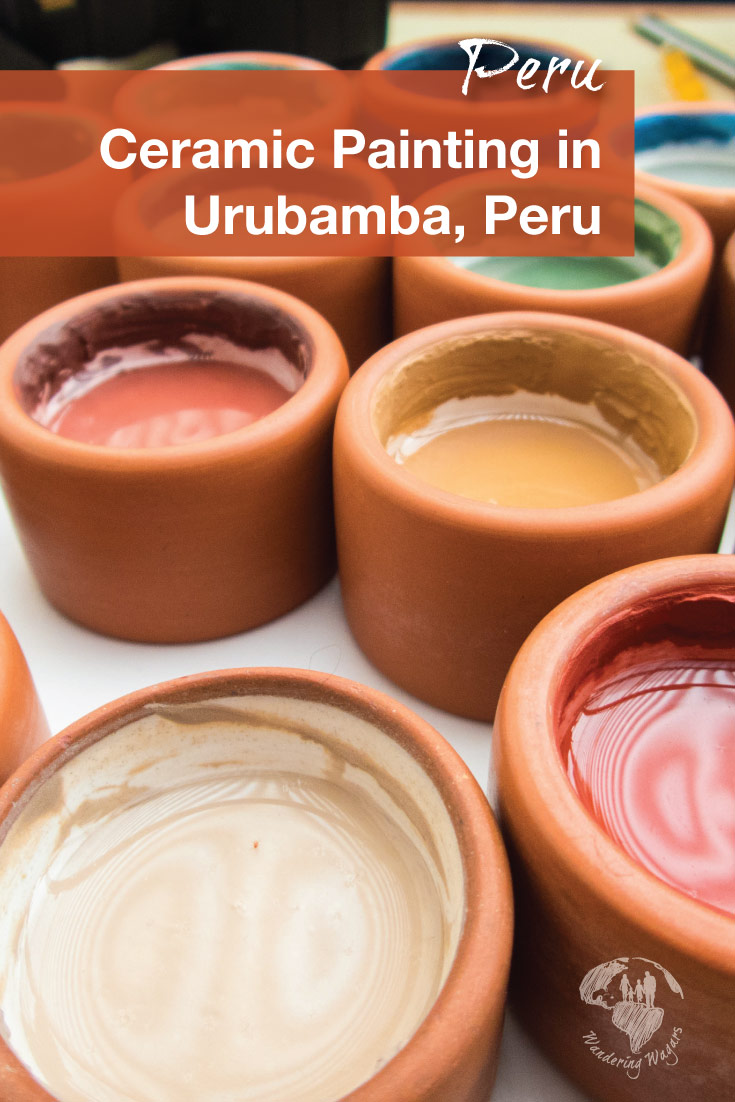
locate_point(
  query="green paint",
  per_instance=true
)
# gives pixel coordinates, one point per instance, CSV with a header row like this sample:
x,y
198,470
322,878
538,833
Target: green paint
x,y
707,164
657,241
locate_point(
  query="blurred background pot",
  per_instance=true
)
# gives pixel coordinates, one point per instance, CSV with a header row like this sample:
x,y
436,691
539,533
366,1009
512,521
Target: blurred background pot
x,y
581,900
24,725
351,292
188,541
441,590
719,361
688,149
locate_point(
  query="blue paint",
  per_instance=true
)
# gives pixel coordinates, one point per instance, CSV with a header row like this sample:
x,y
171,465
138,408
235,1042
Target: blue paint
x,y
450,56
688,148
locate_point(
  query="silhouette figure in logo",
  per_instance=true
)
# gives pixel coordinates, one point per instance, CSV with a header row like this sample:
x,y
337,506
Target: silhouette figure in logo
x,y
632,1005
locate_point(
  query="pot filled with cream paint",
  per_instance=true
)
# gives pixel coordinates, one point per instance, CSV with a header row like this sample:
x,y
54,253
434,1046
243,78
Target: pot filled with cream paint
x,y
488,467
248,886
615,752
671,264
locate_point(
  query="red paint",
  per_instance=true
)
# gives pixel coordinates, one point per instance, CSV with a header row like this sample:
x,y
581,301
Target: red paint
x,y
160,404
652,755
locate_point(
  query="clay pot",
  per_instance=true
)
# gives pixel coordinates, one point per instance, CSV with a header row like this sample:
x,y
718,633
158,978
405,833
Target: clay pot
x,y
675,237
351,292
719,359
691,122
69,137
186,542
581,901
311,724
440,590
24,725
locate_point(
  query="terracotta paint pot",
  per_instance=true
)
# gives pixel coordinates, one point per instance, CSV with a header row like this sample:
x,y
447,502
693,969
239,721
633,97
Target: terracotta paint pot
x,y
352,292
581,901
68,138
440,590
363,753
719,361
674,256
391,99
701,174
191,541
24,725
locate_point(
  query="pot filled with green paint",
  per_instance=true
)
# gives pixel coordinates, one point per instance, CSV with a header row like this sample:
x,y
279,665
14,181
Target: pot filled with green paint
x,y
671,264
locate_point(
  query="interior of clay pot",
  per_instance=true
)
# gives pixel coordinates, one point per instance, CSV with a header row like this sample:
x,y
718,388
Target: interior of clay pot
x,y
689,148
633,398
694,616
193,325
325,976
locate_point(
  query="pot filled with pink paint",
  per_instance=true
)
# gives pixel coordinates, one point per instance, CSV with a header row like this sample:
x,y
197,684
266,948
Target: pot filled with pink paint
x,y
615,748
165,451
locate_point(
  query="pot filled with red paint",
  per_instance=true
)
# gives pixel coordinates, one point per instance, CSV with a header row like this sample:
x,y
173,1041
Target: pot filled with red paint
x,y
165,451
615,748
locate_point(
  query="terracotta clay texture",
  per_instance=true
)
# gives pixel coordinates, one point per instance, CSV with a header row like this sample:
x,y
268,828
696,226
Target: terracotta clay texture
x,y
715,204
431,288
440,591
581,900
186,542
454,1052
719,360
24,725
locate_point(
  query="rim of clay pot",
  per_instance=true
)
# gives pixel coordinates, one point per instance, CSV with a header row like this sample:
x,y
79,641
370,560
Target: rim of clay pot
x,y
688,193
384,96
32,187
246,58
130,223
321,386
546,804
694,253
702,466
481,961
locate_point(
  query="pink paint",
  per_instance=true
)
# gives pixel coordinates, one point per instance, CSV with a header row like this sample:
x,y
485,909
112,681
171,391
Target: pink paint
x,y
162,402
652,755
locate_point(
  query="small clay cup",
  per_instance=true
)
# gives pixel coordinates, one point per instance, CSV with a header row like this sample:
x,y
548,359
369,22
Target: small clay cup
x,y
24,725
691,122
719,357
301,722
439,590
352,292
581,901
178,543
68,137
434,288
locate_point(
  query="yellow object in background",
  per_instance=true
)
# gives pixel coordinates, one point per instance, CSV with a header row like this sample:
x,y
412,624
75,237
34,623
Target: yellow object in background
x,y
682,78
